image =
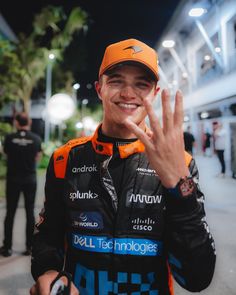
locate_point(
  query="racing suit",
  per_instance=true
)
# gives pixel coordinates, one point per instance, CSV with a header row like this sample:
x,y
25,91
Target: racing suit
x,y
126,240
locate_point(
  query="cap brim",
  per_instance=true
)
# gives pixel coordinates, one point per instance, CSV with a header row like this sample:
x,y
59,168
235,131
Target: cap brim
x,y
150,73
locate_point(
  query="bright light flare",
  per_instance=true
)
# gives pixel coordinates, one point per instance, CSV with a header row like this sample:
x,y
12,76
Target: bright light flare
x,y
197,12
168,43
76,86
51,56
60,107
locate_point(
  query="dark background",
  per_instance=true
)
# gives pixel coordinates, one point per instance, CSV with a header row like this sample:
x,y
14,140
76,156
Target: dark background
x,y
109,21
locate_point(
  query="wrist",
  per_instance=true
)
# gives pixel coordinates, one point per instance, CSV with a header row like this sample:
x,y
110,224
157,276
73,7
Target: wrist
x,y
172,181
184,188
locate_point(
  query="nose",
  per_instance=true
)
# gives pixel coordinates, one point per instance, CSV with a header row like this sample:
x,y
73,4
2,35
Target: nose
x,y
127,92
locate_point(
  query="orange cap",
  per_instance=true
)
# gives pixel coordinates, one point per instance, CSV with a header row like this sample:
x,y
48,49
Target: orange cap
x,y
129,50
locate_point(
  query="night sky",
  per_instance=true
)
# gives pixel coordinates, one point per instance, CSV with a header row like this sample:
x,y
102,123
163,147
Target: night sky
x,y
109,21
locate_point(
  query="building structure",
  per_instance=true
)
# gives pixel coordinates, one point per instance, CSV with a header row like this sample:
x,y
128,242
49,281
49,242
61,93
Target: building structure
x,y
200,59
5,30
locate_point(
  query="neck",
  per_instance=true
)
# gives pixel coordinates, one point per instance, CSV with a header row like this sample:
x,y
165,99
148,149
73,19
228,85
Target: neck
x,y
25,128
119,131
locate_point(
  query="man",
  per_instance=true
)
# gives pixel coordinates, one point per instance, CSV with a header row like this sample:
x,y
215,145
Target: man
x,y
219,134
207,144
121,214
23,149
189,140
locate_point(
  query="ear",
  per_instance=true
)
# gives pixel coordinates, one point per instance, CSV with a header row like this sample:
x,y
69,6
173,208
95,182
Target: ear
x,y
157,90
98,89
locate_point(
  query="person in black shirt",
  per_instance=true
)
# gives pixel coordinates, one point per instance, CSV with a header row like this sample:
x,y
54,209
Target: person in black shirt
x,y
189,140
207,144
23,149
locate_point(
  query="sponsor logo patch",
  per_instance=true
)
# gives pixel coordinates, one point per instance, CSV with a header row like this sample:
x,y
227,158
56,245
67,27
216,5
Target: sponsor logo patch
x,y
145,171
83,195
22,141
85,169
108,282
142,199
135,48
121,246
59,158
143,224
89,220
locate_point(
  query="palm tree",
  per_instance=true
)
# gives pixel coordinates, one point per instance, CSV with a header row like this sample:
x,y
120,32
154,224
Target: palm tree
x,y
24,63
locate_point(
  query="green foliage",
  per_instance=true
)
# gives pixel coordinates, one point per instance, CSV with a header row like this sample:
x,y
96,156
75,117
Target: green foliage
x,y
5,128
24,63
49,17
71,131
43,164
96,112
3,168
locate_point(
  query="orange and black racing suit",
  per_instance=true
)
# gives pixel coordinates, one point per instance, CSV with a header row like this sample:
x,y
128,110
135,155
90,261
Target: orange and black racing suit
x,y
108,221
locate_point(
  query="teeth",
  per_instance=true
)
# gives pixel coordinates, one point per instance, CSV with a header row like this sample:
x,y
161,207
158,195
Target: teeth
x,y
127,106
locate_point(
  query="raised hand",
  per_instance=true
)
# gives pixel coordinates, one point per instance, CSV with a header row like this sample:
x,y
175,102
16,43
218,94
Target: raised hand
x,y
164,146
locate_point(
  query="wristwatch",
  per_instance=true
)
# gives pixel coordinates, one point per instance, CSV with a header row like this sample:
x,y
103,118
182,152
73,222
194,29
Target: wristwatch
x,y
184,188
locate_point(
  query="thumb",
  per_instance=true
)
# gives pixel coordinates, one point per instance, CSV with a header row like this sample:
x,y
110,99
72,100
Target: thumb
x,y
33,290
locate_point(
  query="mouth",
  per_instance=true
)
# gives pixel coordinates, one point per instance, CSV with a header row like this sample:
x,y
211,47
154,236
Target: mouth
x,y
128,106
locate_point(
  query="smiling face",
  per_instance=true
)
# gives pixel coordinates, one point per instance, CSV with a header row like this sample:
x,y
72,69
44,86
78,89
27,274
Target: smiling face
x,y
122,93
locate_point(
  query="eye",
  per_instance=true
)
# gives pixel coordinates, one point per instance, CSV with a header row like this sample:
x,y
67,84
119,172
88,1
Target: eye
x,y
115,82
143,85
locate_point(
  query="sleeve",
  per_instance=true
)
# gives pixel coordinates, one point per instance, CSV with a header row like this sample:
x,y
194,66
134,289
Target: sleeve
x,y
190,245
48,240
39,145
6,144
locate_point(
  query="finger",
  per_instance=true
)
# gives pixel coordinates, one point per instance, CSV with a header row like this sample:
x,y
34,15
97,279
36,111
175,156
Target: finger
x,y
154,122
166,111
149,132
179,112
42,288
33,290
74,290
141,135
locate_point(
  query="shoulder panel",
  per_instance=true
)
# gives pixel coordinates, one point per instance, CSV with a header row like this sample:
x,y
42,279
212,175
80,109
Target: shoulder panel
x,y
188,158
60,156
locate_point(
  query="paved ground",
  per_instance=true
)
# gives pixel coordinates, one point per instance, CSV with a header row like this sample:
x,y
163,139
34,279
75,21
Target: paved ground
x,y
15,278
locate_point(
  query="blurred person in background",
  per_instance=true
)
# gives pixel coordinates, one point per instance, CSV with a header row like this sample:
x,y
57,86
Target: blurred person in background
x,y
23,149
219,134
123,210
207,144
189,140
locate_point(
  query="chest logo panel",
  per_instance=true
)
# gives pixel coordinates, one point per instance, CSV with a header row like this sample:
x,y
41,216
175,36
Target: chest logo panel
x,y
83,195
87,220
142,199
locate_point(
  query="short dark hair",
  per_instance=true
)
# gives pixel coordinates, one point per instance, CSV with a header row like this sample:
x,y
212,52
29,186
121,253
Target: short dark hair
x,y
149,74
22,119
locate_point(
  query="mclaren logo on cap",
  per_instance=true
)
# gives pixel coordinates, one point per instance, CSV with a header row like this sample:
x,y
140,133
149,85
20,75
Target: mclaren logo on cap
x,y
135,48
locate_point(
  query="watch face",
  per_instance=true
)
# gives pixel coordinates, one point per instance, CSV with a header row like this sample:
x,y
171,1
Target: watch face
x,y
186,187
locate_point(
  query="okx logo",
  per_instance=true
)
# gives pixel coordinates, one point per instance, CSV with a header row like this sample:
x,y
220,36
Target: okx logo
x,y
107,282
83,195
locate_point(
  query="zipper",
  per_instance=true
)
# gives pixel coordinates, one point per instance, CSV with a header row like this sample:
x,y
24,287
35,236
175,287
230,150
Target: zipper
x,y
108,182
